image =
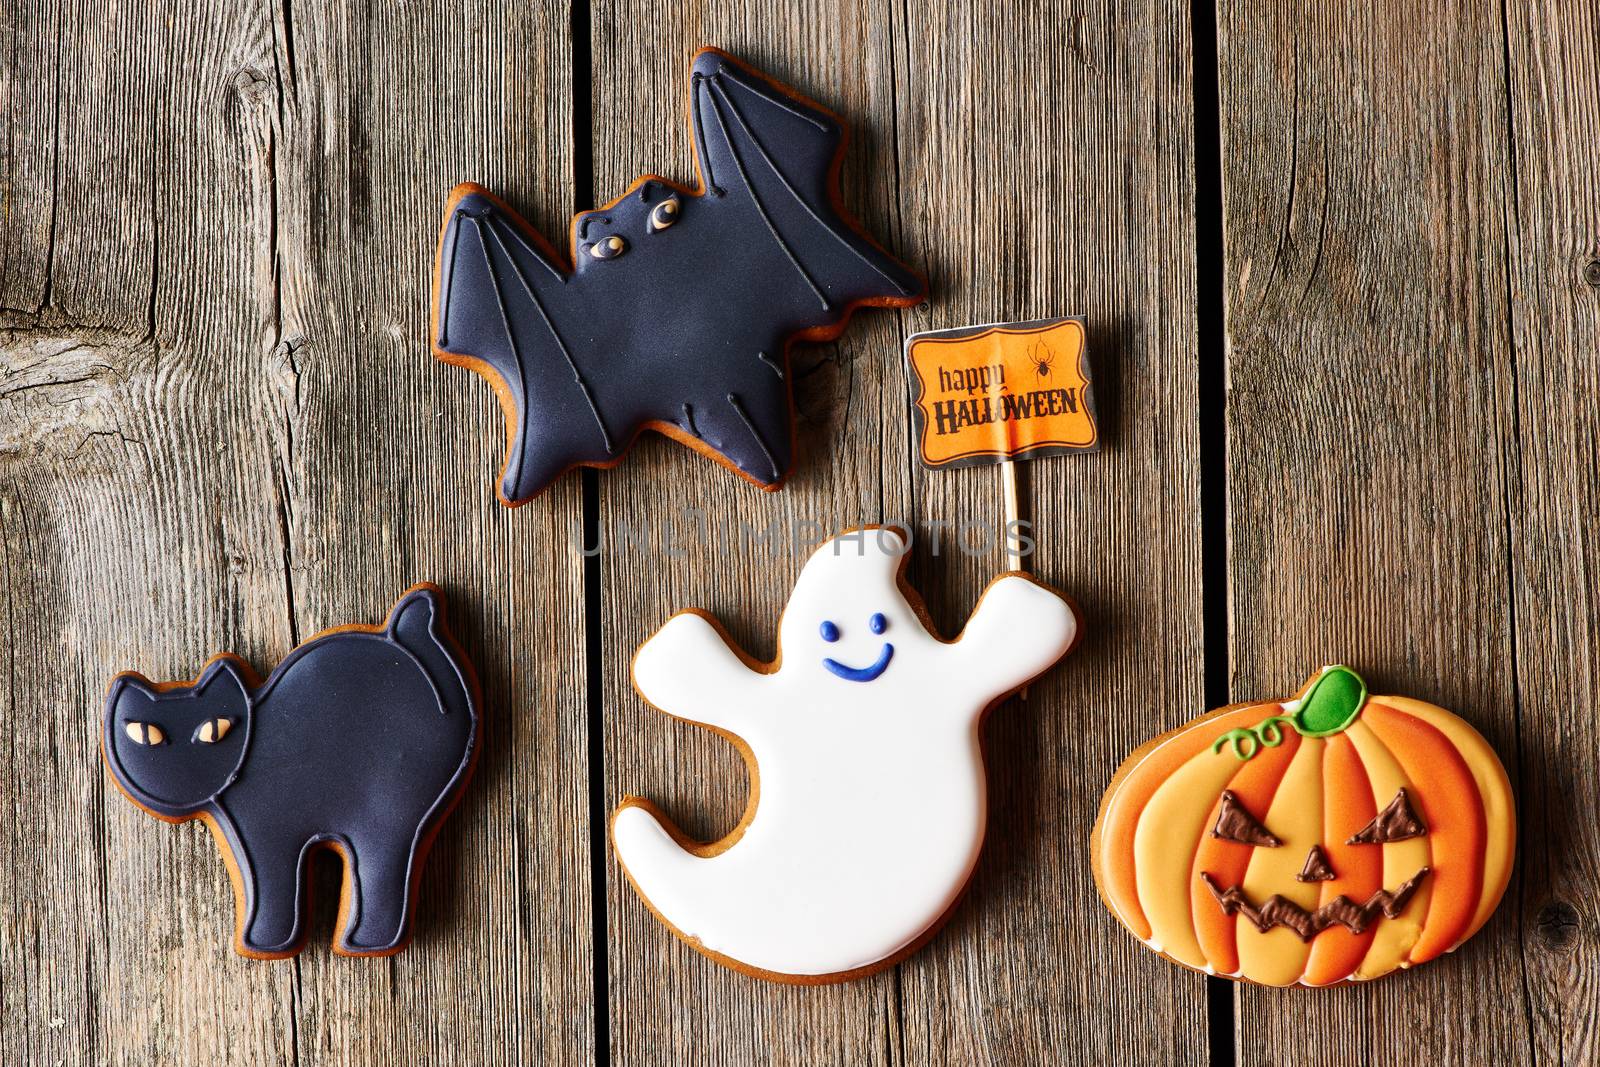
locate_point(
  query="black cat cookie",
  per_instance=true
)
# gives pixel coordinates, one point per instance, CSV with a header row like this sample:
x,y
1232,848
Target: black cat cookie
x,y
676,307
361,741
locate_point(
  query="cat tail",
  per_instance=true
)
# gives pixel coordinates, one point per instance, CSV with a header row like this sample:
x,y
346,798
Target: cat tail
x,y
417,624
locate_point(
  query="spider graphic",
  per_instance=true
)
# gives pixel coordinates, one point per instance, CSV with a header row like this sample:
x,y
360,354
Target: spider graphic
x,y
1042,359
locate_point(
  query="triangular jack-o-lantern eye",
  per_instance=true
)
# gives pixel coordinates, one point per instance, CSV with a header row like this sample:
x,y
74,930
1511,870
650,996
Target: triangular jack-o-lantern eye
x,y
1317,868
1234,823
1397,822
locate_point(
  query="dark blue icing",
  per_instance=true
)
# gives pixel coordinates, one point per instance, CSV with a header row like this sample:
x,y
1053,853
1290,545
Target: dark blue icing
x,y
829,631
877,624
679,308
862,674
361,739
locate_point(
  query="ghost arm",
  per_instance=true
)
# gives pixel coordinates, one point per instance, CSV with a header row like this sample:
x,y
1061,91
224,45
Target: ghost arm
x,y
689,671
1018,630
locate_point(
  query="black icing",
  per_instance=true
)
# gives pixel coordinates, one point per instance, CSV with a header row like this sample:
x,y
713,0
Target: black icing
x,y
359,739
685,325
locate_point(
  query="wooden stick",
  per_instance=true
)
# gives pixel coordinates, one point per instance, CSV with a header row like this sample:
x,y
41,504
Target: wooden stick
x,y
1012,546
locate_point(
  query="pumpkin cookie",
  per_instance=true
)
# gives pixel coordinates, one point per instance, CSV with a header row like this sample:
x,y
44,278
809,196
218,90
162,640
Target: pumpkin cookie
x,y
1330,838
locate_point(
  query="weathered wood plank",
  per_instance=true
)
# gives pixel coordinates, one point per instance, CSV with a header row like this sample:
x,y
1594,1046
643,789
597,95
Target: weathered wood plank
x,y
388,460
130,541
1366,170
1046,168
1027,951
1550,439
667,1003
278,455
30,83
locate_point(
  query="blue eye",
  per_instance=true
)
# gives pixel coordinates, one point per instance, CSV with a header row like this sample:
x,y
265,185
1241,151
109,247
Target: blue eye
x,y
829,631
878,623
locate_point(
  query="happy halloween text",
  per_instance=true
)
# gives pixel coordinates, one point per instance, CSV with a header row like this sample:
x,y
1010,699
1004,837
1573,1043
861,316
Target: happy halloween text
x,y
953,416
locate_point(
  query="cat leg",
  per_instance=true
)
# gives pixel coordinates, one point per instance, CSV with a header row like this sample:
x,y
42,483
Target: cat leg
x,y
379,917
274,877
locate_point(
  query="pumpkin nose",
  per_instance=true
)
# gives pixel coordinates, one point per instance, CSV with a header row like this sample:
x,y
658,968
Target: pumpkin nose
x,y
1317,868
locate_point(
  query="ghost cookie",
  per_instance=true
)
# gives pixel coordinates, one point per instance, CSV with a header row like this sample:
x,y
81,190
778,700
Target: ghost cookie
x,y
867,801
675,306
361,741
1331,838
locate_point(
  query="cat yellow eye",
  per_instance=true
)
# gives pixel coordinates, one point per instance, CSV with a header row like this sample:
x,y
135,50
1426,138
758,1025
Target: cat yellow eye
x,y
212,730
608,247
664,214
145,733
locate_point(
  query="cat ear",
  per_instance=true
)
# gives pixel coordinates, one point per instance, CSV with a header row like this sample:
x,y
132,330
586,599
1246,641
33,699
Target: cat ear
x,y
131,687
222,679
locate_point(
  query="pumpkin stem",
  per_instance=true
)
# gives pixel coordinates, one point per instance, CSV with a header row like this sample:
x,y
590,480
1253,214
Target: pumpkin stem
x,y
1332,701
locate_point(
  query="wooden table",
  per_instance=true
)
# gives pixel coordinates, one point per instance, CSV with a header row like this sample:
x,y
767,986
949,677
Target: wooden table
x,y
1341,279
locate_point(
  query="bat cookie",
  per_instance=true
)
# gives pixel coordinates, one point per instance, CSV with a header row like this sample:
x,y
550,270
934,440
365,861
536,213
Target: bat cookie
x,y
1331,838
867,798
361,741
677,305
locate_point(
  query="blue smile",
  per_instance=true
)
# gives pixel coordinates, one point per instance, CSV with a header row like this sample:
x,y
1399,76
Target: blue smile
x,y
862,674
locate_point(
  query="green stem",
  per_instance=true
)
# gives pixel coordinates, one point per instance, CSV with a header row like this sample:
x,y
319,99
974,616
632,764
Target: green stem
x,y
1331,703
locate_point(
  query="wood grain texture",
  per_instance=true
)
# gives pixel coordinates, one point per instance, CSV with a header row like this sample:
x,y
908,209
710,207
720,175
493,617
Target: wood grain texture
x,y
220,428
965,177
223,430
1045,169
1552,219
668,1004
1372,435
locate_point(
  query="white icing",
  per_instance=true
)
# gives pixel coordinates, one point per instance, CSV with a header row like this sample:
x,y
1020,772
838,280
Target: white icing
x,y
872,796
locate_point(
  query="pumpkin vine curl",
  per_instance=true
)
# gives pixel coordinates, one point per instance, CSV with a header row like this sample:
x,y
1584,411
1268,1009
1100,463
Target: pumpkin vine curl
x,y
1328,704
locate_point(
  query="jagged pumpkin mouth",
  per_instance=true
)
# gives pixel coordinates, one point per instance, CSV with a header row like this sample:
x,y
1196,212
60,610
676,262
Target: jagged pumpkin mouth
x,y
1279,910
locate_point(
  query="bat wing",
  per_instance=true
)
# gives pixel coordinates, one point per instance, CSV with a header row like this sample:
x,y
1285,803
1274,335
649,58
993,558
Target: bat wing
x,y
502,309
762,143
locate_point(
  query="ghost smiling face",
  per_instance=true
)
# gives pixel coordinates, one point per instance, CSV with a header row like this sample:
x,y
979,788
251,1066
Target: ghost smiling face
x,y
862,740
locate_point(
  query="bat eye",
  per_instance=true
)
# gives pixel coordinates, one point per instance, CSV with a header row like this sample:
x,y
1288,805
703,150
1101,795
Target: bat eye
x,y
212,730
664,214
608,247
145,733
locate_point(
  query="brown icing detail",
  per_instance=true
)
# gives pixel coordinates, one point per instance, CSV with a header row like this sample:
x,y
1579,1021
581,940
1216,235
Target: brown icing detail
x,y
213,730
1317,868
1398,822
145,733
1279,910
1234,823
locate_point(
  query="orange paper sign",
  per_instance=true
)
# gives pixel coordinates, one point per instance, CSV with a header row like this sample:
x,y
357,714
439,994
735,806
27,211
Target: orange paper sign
x,y
1010,390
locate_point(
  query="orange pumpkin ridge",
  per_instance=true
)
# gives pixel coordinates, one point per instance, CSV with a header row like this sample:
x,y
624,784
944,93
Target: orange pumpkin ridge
x,y
1348,806
1226,861
1452,809
1150,765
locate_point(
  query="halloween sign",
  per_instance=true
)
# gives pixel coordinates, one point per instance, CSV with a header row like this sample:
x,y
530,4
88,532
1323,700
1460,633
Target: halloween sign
x,y
1330,838
987,394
